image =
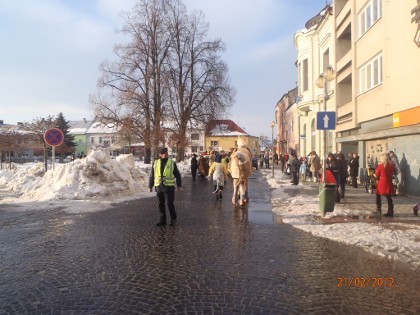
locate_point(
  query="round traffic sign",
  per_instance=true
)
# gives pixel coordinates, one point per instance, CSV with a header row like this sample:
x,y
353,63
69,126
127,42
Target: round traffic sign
x,y
54,137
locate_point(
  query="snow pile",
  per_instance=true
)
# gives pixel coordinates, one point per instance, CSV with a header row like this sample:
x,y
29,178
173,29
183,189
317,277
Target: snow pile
x,y
97,175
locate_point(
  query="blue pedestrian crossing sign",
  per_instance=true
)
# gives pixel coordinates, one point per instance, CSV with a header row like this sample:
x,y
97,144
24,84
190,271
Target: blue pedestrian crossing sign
x,y
326,120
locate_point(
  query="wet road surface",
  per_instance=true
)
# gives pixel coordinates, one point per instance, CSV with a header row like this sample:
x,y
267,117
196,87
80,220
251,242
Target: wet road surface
x,y
218,259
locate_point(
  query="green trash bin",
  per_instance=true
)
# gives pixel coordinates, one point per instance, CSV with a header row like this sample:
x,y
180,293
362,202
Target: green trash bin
x,y
327,194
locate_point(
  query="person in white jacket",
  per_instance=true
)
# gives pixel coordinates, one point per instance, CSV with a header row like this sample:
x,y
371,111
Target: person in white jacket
x,y
218,171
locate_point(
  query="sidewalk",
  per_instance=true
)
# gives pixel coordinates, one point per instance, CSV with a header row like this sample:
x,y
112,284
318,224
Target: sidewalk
x,y
358,205
352,222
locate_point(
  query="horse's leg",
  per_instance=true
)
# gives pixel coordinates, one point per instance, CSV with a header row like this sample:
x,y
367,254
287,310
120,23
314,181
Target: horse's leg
x,y
235,190
246,191
242,193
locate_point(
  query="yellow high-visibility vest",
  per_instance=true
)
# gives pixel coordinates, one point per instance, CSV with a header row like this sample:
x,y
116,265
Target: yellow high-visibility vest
x,y
168,178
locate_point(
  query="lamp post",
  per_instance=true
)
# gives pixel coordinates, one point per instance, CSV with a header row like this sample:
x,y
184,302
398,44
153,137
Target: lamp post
x,y
321,82
273,124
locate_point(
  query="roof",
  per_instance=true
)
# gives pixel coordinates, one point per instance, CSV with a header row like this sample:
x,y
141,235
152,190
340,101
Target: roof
x,y
16,129
77,127
317,19
224,127
98,127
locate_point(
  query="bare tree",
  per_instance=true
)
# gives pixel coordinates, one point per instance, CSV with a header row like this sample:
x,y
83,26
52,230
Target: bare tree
x,y
167,72
9,143
198,84
38,126
134,81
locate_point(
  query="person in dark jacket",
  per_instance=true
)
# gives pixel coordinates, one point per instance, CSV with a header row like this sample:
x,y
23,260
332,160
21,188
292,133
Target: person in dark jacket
x,y
164,176
354,169
294,163
342,173
194,166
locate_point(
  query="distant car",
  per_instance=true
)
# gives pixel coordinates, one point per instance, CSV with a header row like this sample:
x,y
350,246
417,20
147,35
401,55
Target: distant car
x,y
255,162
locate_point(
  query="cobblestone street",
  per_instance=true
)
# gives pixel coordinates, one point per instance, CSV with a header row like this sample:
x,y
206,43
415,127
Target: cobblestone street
x,y
218,259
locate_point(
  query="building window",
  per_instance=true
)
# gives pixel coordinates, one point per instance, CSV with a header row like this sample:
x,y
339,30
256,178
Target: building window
x,y
369,15
305,75
92,140
214,143
371,74
195,136
100,140
194,148
326,59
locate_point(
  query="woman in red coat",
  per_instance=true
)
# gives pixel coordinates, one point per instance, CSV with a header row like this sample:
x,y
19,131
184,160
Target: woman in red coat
x,y
384,175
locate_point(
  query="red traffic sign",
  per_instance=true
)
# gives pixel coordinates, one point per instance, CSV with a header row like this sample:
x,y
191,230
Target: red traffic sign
x,y
54,137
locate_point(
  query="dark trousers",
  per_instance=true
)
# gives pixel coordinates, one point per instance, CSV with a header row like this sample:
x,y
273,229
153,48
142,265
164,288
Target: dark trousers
x,y
342,186
194,168
390,203
169,196
295,177
354,181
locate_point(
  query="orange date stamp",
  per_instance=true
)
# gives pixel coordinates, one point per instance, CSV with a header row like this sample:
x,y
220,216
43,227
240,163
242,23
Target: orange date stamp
x,y
362,282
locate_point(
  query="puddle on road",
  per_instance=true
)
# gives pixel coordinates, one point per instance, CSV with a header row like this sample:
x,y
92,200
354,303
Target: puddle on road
x,y
261,213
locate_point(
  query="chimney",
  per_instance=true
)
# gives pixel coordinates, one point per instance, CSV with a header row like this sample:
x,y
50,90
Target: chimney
x,y
84,120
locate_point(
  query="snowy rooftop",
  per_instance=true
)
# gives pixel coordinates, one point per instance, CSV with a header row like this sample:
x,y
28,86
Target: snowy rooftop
x,y
98,127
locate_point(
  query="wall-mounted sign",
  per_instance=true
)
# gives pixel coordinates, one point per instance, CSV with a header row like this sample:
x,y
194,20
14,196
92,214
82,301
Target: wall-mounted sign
x,y
407,117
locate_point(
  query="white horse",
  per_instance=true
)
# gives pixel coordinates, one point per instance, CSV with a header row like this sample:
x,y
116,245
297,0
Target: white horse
x,y
240,168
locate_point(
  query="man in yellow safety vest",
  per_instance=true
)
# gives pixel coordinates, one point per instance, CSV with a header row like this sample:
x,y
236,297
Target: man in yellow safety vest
x,y
163,177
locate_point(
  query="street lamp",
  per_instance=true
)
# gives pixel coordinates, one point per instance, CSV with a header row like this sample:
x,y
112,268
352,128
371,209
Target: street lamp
x,y
321,82
273,124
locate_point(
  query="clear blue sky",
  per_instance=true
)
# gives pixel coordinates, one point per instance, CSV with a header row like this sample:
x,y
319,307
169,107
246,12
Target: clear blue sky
x,y
51,49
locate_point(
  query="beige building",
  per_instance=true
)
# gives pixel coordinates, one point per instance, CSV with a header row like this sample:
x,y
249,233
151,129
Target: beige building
x,y
315,54
377,93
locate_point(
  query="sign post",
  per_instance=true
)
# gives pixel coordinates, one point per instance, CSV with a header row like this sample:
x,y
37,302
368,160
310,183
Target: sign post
x,y
53,137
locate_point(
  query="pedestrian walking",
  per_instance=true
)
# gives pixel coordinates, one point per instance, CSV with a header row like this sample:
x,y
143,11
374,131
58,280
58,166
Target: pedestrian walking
x,y
314,165
282,162
164,176
294,163
395,181
384,174
342,173
354,169
276,158
303,170
194,166
203,166
267,160
218,172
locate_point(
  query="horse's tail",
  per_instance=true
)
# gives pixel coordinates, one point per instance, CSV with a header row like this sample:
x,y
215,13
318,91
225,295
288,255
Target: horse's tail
x,y
217,188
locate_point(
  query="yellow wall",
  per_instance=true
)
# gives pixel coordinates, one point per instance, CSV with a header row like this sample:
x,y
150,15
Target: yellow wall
x,y
392,35
228,143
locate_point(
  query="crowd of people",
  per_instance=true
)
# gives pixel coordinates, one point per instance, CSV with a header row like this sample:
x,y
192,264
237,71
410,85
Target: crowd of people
x,y
165,177
344,172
